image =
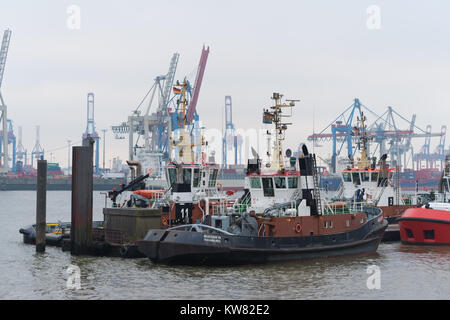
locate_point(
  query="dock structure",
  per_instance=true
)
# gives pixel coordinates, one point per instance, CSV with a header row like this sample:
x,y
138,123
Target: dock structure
x,y
82,199
41,204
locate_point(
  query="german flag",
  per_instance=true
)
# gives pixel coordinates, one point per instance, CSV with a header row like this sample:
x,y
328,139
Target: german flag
x,y
268,117
176,90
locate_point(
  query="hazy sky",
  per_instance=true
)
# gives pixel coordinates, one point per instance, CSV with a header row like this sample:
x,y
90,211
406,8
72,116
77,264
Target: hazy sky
x,y
321,52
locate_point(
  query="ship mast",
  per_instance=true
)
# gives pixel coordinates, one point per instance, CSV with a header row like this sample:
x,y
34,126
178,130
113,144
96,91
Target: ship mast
x,y
275,116
363,162
185,148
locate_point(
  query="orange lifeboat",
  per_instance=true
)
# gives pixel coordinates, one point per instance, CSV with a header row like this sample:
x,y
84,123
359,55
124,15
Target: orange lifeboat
x,y
150,194
338,204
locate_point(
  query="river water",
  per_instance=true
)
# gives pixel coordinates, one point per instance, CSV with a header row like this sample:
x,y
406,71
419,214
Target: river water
x,y
405,272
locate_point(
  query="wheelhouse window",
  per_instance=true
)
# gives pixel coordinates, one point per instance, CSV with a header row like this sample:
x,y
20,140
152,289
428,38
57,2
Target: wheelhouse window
x,y
172,176
356,178
280,182
365,176
293,182
374,176
347,177
196,182
212,177
187,175
268,187
255,183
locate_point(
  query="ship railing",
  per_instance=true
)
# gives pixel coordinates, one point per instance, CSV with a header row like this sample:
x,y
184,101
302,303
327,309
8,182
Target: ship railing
x,y
344,207
241,206
223,207
158,199
442,197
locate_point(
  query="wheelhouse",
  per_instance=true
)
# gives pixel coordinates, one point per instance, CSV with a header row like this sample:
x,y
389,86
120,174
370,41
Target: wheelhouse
x,y
359,177
197,176
269,188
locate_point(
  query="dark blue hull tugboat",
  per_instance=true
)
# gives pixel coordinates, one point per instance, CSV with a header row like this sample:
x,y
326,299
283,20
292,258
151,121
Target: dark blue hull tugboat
x,y
304,227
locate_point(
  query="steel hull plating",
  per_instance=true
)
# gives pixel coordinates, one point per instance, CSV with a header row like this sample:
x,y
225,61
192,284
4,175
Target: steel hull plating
x,y
425,226
185,247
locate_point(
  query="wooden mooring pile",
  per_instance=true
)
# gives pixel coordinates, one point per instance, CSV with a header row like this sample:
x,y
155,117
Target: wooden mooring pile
x,y
121,228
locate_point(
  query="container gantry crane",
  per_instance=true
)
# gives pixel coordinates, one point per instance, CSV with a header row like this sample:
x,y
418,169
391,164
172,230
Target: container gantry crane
x,y
230,140
21,152
383,130
4,141
90,130
157,127
37,152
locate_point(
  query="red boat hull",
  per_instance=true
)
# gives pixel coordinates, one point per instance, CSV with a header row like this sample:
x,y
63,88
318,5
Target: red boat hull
x,y
425,226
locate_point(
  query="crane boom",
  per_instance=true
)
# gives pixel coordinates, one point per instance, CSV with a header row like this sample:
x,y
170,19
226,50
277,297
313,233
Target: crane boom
x,y
169,82
4,52
3,109
197,85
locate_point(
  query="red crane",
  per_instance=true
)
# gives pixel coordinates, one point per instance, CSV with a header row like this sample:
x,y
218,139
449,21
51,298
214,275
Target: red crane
x,y
197,85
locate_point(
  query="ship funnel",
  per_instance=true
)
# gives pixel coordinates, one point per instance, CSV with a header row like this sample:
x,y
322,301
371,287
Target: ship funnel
x,y
305,150
309,183
138,166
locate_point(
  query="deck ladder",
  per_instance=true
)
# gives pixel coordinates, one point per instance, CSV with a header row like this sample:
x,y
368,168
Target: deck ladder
x,y
316,187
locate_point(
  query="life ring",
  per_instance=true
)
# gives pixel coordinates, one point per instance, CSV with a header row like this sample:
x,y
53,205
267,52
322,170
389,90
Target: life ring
x,y
298,228
164,221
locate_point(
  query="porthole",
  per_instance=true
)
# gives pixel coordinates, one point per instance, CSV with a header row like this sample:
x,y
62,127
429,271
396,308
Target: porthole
x,y
428,234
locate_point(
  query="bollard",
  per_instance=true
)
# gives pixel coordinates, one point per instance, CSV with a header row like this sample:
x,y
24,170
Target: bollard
x,y
82,188
41,202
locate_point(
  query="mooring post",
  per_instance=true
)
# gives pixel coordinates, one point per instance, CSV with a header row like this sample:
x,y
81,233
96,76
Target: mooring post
x,y
41,203
82,188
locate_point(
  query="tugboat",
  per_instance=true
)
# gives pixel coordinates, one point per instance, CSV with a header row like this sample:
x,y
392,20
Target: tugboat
x,y
193,191
284,230
373,183
429,224
278,181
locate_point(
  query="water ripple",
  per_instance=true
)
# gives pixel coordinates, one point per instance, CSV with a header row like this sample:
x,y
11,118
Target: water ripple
x,y
407,272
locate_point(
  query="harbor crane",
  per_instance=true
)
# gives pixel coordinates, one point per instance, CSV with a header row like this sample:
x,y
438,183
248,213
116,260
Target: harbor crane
x,y
90,130
230,140
384,131
21,152
37,152
4,154
156,128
